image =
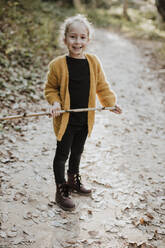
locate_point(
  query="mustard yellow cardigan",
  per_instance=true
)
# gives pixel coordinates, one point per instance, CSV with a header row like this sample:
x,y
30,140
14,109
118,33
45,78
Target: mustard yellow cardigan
x,y
57,90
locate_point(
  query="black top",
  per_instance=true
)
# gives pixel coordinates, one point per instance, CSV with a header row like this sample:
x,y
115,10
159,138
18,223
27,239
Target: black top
x,y
79,84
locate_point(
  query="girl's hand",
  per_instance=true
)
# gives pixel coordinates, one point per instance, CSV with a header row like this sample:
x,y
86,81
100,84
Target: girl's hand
x,y
54,111
117,110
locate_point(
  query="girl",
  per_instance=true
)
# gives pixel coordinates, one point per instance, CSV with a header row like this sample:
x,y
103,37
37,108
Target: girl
x,y
73,81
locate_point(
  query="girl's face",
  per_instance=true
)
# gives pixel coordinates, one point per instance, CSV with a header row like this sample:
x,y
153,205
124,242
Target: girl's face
x,y
76,40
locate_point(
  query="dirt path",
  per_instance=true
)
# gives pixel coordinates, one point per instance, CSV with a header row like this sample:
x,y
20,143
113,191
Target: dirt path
x,y
123,162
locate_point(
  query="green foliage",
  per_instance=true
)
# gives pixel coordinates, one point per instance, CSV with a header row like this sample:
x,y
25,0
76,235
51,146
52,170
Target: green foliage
x,y
142,23
99,17
28,41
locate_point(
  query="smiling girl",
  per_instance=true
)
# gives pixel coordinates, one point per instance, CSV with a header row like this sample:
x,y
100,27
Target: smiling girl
x,y
73,81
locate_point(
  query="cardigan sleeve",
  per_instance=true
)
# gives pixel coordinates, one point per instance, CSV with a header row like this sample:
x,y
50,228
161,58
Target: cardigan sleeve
x,y
52,88
106,96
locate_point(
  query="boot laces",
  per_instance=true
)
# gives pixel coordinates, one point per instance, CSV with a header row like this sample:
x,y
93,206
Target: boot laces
x,y
77,180
64,189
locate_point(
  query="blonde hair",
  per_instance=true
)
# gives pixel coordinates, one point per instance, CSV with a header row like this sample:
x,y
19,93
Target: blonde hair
x,y
77,18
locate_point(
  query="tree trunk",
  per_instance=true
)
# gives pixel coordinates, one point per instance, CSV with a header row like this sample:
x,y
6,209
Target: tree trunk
x,y
125,7
78,5
160,4
93,3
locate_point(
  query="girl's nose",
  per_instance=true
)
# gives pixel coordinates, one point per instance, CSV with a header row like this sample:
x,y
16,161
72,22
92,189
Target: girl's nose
x,y
77,40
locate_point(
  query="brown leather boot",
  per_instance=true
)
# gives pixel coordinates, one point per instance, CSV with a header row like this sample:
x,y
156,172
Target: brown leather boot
x,y
63,199
75,185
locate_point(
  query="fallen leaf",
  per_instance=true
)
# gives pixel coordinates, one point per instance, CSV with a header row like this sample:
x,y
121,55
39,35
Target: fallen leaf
x,y
143,221
93,233
90,212
150,216
28,216
51,204
42,207
11,234
56,224
63,215
71,242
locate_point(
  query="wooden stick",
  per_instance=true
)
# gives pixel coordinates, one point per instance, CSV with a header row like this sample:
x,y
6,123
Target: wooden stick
x,y
60,111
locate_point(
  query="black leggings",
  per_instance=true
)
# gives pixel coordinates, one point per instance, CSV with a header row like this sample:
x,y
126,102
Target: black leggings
x,y
72,142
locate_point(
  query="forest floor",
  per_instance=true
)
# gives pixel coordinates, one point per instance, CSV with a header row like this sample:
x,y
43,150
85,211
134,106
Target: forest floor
x,y
123,162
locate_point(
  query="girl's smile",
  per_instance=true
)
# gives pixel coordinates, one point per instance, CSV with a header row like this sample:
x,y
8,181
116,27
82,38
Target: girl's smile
x,y
76,40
